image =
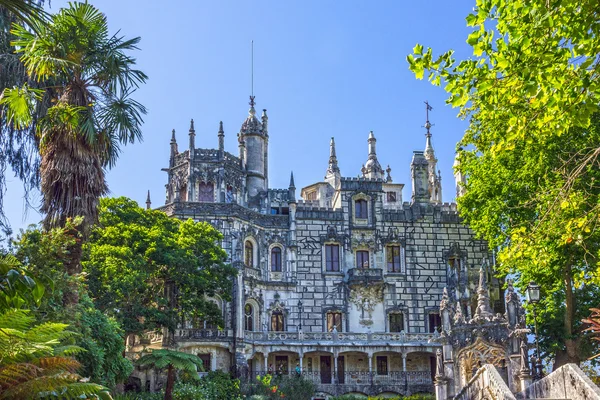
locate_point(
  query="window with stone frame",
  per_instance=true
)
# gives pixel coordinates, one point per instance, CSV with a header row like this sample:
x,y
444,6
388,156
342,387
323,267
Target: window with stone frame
x,y
332,258
249,254
360,209
382,365
277,323
206,192
393,255
396,322
248,317
455,263
391,197
435,321
205,358
311,195
276,259
334,319
362,259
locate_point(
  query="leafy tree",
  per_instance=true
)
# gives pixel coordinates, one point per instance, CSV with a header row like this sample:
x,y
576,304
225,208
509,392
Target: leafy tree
x,y
41,254
172,361
530,153
82,113
34,363
17,289
149,271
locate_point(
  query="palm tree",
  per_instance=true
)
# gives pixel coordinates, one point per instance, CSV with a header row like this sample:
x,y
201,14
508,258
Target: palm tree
x,y
34,363
83,111
172,360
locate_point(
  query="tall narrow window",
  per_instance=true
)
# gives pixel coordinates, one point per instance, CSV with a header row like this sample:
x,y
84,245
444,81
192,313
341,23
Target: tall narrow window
x,y
454,263
360,209
382,365
276,259
396,322
206,192
277,321
249,254
249,317
434,322
334,319
362,259
394,263
332,257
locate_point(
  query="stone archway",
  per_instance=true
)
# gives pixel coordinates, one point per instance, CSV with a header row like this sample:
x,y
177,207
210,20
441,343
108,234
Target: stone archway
x,y
481,352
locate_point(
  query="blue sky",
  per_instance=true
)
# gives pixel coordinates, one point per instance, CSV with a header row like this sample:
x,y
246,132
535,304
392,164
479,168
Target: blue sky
x,y
321,69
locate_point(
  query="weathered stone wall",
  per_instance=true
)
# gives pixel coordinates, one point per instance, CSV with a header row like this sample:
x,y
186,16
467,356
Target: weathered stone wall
x,y
567,382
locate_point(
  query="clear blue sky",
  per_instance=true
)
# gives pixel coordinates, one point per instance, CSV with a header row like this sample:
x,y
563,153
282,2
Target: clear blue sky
x,y
321,68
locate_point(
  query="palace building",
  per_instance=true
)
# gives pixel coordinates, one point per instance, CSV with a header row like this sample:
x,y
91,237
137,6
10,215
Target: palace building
x,y
341,279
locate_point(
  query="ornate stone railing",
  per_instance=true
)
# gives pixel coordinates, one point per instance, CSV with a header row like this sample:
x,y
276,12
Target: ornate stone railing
x,y
486,384
365,275
250,272
400,337
201,334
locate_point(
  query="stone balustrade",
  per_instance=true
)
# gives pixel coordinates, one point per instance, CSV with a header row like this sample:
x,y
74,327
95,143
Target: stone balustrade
x,y
364,275
202,335
487,383
397,337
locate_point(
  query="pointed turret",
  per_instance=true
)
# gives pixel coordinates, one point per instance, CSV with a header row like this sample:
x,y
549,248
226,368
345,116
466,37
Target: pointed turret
x,y
174,150
292,189
254,144
484,311
192,140
434,180
372,168
221,135
459,178
148,202
265,122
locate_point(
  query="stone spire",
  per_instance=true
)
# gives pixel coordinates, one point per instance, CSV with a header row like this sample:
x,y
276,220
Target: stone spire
x,y
174,150
292,189
192,140
484,311
221,135
434,180
265,122
459,178
333,163
372,169
148,202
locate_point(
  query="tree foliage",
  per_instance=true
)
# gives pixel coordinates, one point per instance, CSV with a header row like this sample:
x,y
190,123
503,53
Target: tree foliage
x,y
35,363
82,109
530,153
150,271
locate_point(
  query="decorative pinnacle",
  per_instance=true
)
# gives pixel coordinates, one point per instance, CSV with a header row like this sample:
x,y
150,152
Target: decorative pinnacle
x,y
173,137
483,301
333,164
292,185
192,126
221,131
148,202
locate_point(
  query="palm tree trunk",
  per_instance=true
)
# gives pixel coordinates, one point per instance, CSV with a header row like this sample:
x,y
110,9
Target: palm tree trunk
x,y
170,383
73,267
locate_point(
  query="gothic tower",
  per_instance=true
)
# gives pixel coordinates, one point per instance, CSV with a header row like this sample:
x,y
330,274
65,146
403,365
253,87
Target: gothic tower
x,y
255,139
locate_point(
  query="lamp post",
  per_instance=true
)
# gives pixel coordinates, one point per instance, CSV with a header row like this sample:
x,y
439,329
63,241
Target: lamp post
x,y
300,309
533,297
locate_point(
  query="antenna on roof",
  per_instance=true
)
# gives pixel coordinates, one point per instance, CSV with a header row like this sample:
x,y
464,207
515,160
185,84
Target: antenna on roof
x,y
252,68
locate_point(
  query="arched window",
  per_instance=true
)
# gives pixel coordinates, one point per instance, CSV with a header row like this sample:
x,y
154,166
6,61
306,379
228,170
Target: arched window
x,y
276,259
334,319
206,193
360,209
249,317
249,254
277,321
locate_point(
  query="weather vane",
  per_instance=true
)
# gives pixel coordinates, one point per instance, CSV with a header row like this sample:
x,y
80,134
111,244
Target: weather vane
x,y
427,123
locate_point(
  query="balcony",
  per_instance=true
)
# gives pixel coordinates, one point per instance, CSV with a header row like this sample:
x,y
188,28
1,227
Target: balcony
x,y
404,383
365,276
351,337
202,335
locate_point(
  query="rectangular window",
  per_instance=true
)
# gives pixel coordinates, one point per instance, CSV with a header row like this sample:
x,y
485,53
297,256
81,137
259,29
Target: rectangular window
x,y
360,209
334,319
277,321
362,259
454,263
205,362
396,322
311,195
391,197
275,259
394,260
434,322
332,257
382,365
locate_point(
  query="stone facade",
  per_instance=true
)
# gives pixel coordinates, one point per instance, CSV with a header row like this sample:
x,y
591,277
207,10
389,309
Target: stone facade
x,y
343,284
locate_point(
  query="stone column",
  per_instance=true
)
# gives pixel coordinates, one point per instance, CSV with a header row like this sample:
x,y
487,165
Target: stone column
x,y
335,365
404,355
301,356
441,382
370,367
266,362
